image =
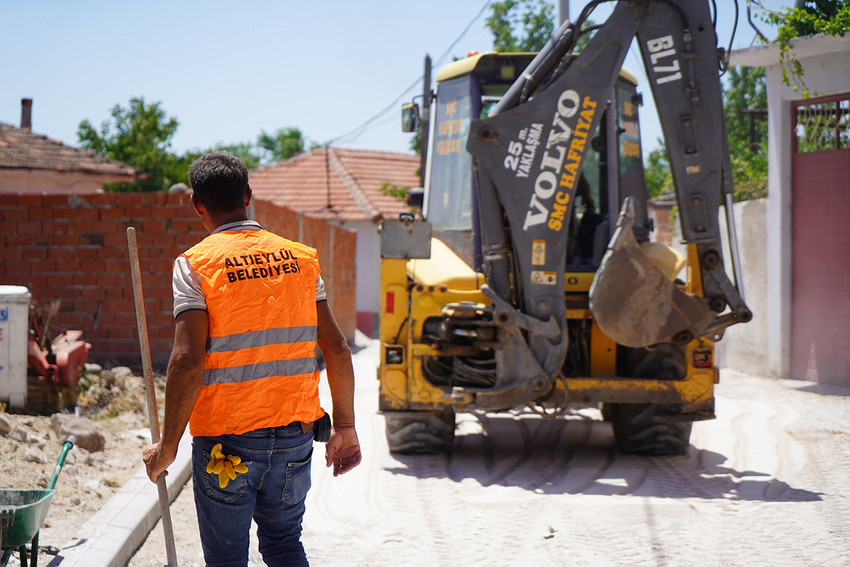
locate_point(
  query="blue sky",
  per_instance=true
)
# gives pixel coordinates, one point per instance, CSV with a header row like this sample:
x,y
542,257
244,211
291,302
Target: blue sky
x,y
226,70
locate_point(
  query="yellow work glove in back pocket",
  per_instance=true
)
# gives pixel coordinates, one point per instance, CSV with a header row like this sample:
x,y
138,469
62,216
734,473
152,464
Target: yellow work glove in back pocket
x,y
225,466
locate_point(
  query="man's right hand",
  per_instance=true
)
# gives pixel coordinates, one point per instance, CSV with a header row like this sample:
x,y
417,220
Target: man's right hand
x,y
156,461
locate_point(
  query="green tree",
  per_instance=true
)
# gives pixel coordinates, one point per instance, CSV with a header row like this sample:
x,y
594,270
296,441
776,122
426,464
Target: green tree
x,y
750,174
657,171
392,190
746,90
521,25
281,145
827,17
245,151
138,135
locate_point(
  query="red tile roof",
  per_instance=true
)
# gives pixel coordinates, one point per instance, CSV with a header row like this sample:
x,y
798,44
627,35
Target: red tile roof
x,y
345,186
21,149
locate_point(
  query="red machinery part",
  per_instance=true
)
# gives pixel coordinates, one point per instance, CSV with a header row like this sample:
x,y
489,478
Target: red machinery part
x,y
70,354
37,360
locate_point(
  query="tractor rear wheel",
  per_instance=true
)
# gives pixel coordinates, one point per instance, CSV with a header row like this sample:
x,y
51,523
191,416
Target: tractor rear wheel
x,y
420,432
647,429
651,429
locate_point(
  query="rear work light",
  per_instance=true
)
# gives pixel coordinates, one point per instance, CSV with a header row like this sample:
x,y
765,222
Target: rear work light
x,y
702,359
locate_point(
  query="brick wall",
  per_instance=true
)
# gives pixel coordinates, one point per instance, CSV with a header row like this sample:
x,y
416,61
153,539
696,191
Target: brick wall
x,y
662,214
74,249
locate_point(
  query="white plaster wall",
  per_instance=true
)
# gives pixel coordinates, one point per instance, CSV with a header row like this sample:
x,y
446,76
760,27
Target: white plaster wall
x,y
778,247
825,73
826,64
368,265
744,346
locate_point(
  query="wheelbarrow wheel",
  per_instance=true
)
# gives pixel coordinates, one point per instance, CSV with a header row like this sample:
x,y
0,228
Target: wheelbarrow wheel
x,y
22,513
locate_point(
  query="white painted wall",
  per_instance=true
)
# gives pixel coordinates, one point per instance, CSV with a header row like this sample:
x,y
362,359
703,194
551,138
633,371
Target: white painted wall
x,y
368,266
744,346
826,64
367,263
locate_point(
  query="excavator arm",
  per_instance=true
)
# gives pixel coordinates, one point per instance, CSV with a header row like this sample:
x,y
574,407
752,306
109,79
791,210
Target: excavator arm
x,y
551,114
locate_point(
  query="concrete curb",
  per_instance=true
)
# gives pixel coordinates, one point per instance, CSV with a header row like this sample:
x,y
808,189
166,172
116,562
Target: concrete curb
x,y
120,527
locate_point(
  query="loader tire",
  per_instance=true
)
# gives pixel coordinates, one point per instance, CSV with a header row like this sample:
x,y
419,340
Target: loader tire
x,y
645,429
651,429
418,432
664,362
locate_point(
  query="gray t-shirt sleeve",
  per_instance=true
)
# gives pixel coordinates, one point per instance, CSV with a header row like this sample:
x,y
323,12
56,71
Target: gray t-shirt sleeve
x,y
186,287
320,289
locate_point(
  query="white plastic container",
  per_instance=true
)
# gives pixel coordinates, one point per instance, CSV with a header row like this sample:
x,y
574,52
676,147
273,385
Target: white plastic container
x,y
14,328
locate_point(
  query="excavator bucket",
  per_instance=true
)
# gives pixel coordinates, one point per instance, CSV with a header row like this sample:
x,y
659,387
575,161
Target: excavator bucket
x,y
634,303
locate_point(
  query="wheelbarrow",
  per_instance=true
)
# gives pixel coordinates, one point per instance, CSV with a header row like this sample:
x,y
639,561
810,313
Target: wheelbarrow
x,y
22,512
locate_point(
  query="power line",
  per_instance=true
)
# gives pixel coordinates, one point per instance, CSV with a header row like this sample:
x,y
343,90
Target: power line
x,y
463,33
358,131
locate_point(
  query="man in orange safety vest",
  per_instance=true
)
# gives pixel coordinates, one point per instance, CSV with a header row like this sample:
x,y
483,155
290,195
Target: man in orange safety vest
x,y
250,308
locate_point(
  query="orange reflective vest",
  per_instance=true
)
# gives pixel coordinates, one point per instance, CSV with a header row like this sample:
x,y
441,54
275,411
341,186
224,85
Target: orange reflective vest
x,y
260,367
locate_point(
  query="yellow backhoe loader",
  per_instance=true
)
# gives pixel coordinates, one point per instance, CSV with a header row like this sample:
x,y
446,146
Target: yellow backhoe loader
x,y
530,278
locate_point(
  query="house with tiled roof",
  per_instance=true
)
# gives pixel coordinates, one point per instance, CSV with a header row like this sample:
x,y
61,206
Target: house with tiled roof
x,y
344,187
34,163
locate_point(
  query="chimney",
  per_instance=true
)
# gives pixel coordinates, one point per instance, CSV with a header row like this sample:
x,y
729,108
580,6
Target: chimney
x,y
26,114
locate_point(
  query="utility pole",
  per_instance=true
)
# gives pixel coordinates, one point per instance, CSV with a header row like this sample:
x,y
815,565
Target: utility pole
x,y
426,115
563,11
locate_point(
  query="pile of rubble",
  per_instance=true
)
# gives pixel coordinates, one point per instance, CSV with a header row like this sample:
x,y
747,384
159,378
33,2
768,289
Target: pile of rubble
x,y
111,428
104,395
108,393
87,435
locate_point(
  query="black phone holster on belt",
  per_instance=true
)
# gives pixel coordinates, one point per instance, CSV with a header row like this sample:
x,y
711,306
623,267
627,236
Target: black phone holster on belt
x,y
322,429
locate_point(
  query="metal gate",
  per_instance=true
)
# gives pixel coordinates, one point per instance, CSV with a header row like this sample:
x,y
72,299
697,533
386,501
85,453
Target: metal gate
x,y
820,221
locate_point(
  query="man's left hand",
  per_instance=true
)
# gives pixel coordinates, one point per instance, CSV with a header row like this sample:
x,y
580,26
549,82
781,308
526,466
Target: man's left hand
x,y
343,450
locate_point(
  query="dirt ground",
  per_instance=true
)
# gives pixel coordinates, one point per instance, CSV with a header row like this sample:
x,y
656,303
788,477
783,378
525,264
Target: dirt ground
x,y
763,484
31,449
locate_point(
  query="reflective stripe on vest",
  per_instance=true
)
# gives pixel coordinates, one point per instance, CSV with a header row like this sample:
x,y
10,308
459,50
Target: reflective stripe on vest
x,y
260,368
259,371
267,336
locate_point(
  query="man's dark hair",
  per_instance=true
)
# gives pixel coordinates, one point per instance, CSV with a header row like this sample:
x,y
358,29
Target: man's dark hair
x,y
219,181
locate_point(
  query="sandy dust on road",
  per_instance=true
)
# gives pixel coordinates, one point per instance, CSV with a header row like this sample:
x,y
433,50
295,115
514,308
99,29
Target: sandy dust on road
x,y
763,484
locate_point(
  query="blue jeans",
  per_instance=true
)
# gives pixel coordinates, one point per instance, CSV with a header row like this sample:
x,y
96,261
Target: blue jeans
x,y
272,492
